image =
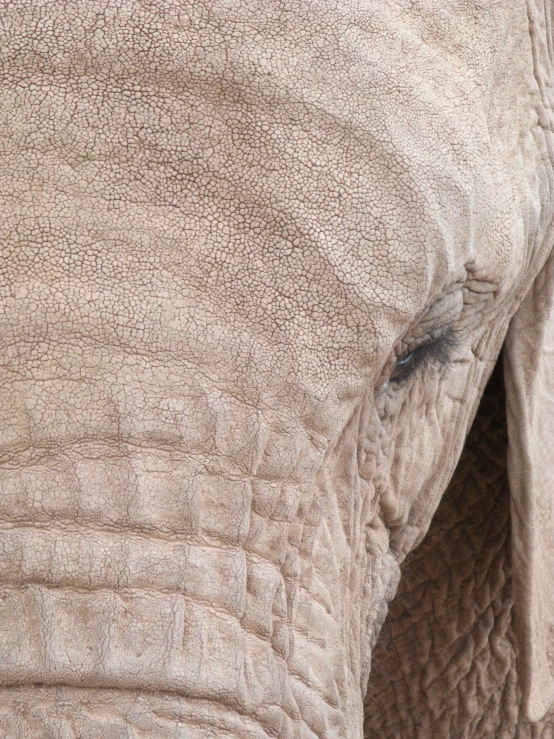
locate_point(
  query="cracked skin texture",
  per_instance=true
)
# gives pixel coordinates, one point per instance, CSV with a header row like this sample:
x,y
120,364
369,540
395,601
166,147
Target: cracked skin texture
x,y
222,224
446,662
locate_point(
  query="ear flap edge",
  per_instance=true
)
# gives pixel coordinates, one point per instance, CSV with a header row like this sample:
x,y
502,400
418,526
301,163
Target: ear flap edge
x,y
529,380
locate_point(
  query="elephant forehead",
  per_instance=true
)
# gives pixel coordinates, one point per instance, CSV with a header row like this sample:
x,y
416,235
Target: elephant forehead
x,y
307,180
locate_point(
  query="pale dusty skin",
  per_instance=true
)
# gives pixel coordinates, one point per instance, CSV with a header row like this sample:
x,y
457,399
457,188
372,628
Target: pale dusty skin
x,y
223,223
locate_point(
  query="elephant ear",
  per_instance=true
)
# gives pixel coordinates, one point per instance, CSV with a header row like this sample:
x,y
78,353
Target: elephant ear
x,y
529,378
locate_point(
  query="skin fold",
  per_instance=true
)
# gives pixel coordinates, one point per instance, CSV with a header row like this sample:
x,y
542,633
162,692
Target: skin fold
x,y
446,662
258,263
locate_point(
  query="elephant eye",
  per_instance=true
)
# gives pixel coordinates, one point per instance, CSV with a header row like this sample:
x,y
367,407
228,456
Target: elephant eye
x,y
404,368
436,351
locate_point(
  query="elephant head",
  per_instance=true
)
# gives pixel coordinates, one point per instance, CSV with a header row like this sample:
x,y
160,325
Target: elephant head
x,y
259,261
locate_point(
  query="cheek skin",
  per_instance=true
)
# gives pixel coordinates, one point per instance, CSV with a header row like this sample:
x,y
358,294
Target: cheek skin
x,y
417,424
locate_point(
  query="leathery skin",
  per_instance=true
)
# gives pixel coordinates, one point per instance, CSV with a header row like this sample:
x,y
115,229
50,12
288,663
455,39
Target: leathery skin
x,y
446,661
228,229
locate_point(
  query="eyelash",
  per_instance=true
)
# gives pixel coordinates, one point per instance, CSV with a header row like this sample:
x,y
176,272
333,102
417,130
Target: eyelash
x,y
433,352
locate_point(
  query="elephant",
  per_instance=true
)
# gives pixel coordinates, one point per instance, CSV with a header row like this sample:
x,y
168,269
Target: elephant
x,y
263,264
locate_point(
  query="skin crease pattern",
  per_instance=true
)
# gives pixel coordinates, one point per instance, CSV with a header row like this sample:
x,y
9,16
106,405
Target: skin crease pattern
x,y
258,262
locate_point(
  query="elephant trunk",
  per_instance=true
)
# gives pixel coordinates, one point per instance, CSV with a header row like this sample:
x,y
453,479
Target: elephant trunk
x,y
142,566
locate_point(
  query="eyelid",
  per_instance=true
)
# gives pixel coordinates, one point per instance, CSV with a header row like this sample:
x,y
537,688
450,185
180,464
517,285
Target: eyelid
x,y
434,351
402,364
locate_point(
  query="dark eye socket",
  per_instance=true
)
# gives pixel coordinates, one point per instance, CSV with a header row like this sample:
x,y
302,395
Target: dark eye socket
x,y
433,352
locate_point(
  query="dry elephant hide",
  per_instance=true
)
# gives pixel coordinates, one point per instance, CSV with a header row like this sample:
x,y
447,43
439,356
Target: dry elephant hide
x,y
259,259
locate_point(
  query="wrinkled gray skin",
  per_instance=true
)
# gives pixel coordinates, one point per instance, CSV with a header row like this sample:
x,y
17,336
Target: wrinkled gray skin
x,y
223,224
446,662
